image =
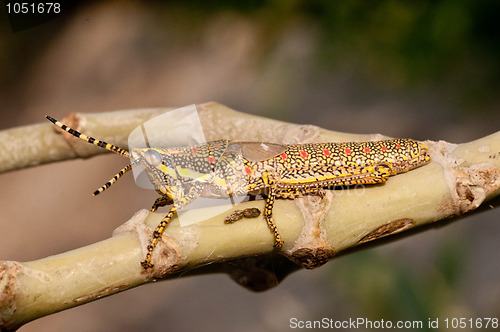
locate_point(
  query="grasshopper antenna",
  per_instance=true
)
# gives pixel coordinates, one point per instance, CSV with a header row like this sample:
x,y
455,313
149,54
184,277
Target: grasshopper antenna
x,y
91,140
99,143
113,180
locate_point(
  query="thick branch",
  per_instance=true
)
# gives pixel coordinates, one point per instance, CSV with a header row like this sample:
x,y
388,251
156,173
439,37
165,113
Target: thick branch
x,y
458,180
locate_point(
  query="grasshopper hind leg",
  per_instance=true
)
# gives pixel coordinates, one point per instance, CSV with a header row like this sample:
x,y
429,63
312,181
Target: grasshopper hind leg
x,y
255,212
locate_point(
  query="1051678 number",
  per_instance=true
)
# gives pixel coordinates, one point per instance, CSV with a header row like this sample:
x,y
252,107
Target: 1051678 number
x,y
471,323
33,8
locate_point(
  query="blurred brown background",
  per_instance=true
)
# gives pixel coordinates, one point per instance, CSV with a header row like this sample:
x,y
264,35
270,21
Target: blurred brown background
x,y
425,70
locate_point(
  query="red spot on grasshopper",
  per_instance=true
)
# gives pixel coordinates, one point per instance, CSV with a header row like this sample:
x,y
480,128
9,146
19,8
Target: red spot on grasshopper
x,y
283,156
367,150
211,159
347,151
398,146
194,150
326,152
248,170
303,154
384,148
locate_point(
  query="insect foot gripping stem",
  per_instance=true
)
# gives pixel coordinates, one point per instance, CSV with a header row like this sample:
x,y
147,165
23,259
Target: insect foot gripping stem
x,y
158,232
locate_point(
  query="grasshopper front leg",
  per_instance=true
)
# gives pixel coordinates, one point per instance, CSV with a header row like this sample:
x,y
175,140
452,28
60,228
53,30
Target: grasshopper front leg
x,y
161,201
158,232
194,192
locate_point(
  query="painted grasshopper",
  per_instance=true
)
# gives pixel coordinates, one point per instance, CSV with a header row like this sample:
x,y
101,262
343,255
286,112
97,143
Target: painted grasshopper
x,y
227,168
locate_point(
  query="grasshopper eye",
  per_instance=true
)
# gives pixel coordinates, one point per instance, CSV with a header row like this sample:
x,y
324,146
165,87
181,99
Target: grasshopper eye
x,y
153,157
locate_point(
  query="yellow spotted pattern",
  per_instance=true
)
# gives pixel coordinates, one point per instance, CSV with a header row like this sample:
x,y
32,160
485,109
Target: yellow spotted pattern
x,y
221,168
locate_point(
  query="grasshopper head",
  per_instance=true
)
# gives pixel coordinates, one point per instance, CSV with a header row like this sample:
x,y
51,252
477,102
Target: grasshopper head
x,y
157,166
172,171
